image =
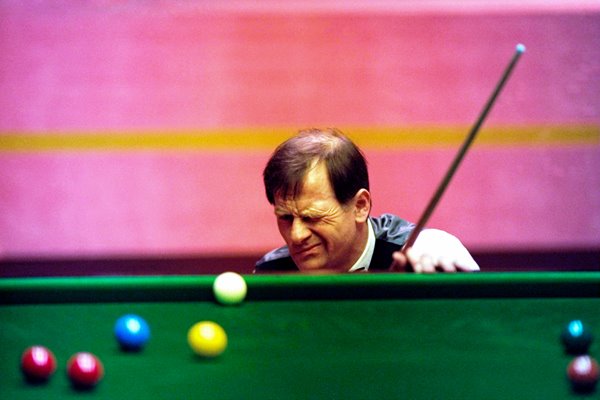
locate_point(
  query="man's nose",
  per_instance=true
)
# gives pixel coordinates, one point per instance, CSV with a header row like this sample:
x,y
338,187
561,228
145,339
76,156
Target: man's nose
x,y
299,232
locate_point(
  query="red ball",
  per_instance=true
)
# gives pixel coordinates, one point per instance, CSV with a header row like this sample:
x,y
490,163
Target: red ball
x,y
38,363
85,370
583,373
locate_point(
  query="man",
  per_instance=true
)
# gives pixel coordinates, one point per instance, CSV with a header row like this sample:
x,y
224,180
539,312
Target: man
x,y
318,183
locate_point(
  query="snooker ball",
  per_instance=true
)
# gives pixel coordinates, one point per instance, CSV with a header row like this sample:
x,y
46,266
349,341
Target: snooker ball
x,y
207,339
576,337
38,364
582,371
230,288
85,370
132,332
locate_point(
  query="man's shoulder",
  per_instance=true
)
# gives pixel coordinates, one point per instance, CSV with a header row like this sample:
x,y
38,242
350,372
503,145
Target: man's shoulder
x,y
276,260
391,228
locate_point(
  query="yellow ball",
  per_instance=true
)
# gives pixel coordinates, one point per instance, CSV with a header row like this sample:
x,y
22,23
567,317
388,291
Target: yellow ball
x,y
207,339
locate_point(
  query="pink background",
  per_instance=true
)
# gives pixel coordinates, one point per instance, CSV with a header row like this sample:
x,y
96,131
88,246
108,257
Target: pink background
x,y
122,68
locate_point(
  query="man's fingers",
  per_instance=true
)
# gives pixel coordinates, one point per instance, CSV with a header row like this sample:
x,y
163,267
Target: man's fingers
x,y
417,262
427,264
399,262
446,265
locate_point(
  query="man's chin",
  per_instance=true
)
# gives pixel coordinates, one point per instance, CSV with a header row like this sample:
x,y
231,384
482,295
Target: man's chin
x,y
310,264
313,267
320,271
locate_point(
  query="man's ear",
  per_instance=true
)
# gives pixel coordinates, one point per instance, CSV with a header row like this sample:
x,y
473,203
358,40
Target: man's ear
x,y
362,205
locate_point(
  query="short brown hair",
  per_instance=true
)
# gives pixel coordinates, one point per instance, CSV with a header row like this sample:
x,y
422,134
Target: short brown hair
x,y
345,163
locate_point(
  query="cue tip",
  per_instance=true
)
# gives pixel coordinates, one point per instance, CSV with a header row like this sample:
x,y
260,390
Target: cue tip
x,y
521,48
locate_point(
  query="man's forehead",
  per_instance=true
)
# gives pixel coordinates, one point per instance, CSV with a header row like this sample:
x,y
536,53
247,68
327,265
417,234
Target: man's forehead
x,y
314,191
303,204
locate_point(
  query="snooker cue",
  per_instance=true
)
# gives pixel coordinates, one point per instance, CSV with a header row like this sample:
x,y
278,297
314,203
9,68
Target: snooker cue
x,y
520,49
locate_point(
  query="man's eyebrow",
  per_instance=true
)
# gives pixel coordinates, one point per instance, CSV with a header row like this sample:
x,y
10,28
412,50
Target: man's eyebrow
x,y
311,213
282,211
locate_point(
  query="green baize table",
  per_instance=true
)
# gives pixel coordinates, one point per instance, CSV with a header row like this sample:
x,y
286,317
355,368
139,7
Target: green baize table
x,y
348,336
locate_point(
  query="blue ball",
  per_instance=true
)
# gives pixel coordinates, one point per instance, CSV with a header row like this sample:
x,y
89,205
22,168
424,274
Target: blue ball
x,y
577,337
132,332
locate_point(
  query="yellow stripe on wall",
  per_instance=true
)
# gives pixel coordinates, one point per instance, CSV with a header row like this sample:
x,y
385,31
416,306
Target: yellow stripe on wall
x,y
269,138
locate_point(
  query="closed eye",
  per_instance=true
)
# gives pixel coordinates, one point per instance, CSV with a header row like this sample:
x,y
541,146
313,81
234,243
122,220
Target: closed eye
x,y
310,220
285,218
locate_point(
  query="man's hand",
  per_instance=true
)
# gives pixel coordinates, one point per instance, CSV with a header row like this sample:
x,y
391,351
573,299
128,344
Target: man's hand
x,y
434,251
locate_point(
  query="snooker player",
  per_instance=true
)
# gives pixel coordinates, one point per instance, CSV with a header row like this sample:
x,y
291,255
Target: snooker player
x,y
318,183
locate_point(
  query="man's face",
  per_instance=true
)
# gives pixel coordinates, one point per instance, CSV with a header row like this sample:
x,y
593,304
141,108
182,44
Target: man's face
x,y
321,233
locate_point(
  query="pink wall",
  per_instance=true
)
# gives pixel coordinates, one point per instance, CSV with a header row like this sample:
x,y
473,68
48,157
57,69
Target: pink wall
x,y
152,69
95,69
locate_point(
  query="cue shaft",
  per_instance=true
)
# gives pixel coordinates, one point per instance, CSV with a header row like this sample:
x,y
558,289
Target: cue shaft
x,y
520,49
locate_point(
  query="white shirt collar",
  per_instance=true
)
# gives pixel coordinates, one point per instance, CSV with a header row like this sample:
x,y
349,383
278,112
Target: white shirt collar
x,y
364,260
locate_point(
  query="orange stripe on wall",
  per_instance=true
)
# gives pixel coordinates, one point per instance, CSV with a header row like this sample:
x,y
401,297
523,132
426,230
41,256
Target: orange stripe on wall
x,y
269,138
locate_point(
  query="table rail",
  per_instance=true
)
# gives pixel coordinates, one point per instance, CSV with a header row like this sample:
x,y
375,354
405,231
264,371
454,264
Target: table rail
x,y
301,287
